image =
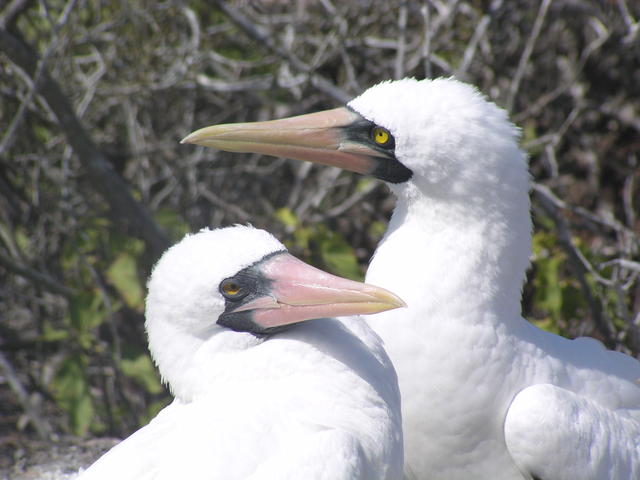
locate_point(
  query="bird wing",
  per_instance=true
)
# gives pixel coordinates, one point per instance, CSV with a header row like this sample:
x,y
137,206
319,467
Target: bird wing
x,y
326,455
219,440
555,434
608,377
196,440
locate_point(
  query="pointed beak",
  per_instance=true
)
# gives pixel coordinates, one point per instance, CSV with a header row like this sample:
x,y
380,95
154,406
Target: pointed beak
x,y
299,292
323,137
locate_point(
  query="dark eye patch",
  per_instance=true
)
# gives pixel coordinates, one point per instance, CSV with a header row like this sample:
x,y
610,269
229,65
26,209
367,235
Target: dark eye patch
x,y
387,167
246,282
252,284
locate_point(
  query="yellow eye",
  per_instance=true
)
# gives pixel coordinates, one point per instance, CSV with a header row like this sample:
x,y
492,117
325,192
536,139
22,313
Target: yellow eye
x,y
230,288
381,135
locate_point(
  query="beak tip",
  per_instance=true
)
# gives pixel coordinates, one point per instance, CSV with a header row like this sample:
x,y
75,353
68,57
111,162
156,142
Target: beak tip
x,y
399,304
393,300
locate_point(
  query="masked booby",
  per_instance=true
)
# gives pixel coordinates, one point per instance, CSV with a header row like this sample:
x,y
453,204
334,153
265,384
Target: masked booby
x,y
260,391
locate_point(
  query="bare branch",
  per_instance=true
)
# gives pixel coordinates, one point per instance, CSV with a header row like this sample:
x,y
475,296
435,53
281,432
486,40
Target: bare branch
x,y
317,80
36,277
263,82
632,23
627,200
470,51
41,425
11,13
17,119
401,42
426,43
624,263
537,106
126,210
355,197
526,53
237,211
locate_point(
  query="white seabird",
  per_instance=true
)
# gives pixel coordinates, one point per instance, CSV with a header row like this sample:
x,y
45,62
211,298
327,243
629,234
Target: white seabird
x,y
259,395
485,394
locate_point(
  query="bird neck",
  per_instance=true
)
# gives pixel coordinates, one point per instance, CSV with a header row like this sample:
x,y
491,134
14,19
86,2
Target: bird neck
x,y
189,363
460,258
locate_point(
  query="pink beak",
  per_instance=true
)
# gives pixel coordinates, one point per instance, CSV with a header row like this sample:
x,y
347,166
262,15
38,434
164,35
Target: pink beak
x,y
299,292
339,137
315,137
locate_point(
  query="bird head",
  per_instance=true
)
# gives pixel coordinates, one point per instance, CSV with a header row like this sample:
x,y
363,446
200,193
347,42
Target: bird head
x,y
243,279
434,137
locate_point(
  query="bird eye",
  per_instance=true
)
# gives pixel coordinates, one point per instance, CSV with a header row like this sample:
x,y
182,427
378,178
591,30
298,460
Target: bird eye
x,y
230,288
381,136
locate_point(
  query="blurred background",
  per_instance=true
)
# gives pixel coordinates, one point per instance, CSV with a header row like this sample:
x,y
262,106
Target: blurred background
x,y
95,96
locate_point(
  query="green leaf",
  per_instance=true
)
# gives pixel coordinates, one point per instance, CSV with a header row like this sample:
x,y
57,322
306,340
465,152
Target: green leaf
x,y
123,275
549,325
51,334
286,217
556,294
376,230
154,408
338,256
548,291
141,370
364,183
529,132
71,391
23,242
572,301
172,222
302,236
86,312
42,134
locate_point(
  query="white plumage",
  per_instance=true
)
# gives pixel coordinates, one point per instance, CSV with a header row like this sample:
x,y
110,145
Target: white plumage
x,y
456,250
476,378
318,400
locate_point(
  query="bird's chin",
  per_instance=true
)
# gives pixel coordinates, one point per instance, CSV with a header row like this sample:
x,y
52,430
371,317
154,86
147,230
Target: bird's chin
x,y
244,322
